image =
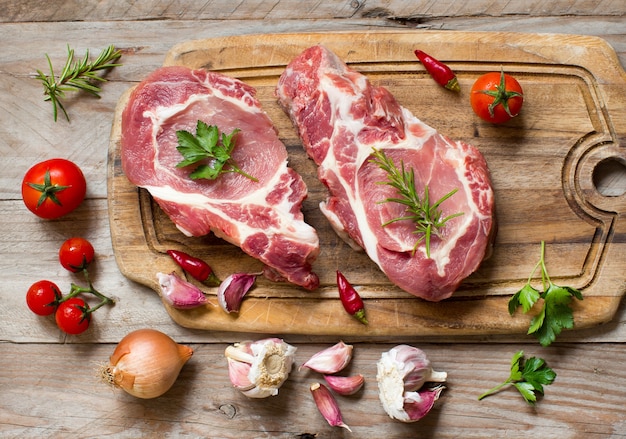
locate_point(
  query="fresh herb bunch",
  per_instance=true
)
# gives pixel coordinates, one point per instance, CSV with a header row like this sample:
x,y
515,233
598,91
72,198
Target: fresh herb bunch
x,y
75,76
206,144
427,217
555,314
527,376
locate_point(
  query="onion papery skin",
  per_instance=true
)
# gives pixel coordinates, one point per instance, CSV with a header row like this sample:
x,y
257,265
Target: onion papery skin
x,y
146,363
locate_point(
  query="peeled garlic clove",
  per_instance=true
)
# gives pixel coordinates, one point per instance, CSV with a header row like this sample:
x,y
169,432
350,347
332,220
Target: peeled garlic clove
x,y
401,374
330,360
179,293
233,289
259,368
327,405
345,385
145,363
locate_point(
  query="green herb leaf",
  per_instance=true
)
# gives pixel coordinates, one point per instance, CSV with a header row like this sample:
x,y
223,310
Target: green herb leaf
x,y
75,76
527,391
528,377
206,144
427,217
555,313
537,374
526,298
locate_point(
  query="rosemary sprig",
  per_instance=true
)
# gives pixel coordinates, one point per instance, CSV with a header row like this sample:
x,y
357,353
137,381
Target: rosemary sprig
x,y
75,76
427,217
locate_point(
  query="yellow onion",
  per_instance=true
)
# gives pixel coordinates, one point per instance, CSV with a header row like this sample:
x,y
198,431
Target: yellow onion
x,y
145,363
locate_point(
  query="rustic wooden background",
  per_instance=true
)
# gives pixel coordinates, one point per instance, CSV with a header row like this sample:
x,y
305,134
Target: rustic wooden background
x,y
47,382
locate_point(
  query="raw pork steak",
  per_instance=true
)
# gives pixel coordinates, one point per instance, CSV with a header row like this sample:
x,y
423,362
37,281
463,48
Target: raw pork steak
x,y
340,117
264,217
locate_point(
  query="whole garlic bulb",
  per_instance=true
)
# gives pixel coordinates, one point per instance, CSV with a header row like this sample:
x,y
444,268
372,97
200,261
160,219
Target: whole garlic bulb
x,y
259,368
401,374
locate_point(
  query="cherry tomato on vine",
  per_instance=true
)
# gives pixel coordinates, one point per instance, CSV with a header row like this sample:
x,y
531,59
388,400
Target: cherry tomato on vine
x,y
496,97
73,316
76,254
42,297
53,188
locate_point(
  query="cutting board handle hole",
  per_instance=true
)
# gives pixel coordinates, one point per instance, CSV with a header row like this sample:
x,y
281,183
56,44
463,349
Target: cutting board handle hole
x,y
609,177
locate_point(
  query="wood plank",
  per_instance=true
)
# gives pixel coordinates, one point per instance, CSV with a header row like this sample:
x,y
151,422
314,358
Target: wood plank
x,y
33,245
551,193
202,403
29,134
414,11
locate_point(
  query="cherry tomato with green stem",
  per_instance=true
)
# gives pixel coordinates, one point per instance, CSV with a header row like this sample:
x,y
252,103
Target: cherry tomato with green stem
x,y
53,188
43,297
496,97
73,316
76,254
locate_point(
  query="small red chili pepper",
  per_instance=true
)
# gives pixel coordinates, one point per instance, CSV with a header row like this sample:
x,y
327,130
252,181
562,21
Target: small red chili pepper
x,y
440,72
350,299
197,268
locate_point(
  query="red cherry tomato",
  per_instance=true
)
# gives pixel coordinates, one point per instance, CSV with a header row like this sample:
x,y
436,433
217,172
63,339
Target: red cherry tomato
x,y
496,97
42,297
72,316
76,254
53,188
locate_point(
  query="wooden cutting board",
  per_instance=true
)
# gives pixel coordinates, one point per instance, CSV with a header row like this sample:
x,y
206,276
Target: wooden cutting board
x,y
544,167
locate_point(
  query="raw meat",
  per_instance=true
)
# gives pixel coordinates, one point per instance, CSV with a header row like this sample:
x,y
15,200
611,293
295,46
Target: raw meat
x,y
264,218
340,117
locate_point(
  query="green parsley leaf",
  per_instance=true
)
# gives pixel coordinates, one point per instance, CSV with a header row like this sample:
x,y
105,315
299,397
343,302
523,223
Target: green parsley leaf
x,y
555,313
526,389
527,376
206,144
526,298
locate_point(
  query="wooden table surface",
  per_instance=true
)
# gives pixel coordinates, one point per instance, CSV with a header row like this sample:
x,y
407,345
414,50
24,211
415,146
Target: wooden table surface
x,y
48,385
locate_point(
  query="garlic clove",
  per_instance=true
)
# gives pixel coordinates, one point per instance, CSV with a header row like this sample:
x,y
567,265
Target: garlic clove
x,y
401,373
233,289
327,405
266,364
330,360
347,385
238,373
179,293
418,404
413,366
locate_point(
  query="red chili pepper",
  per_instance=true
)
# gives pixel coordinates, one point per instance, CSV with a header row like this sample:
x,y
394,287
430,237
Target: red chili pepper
x,y
197,268
440,72
350,299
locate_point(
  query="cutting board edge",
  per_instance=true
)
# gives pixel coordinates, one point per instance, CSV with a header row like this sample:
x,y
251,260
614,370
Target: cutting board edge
x,y
150,282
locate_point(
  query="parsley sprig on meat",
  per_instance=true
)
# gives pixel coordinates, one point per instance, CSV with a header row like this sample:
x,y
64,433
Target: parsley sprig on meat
x,y
527,376
207,144
555,314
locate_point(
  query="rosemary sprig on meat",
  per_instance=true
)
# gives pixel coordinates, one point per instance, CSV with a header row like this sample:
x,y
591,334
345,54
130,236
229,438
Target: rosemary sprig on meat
x,y
426,216
76,75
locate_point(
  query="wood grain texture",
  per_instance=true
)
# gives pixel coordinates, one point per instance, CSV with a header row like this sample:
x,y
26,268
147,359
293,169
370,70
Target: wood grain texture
x,y
36,398
418,11
202,403
550,195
